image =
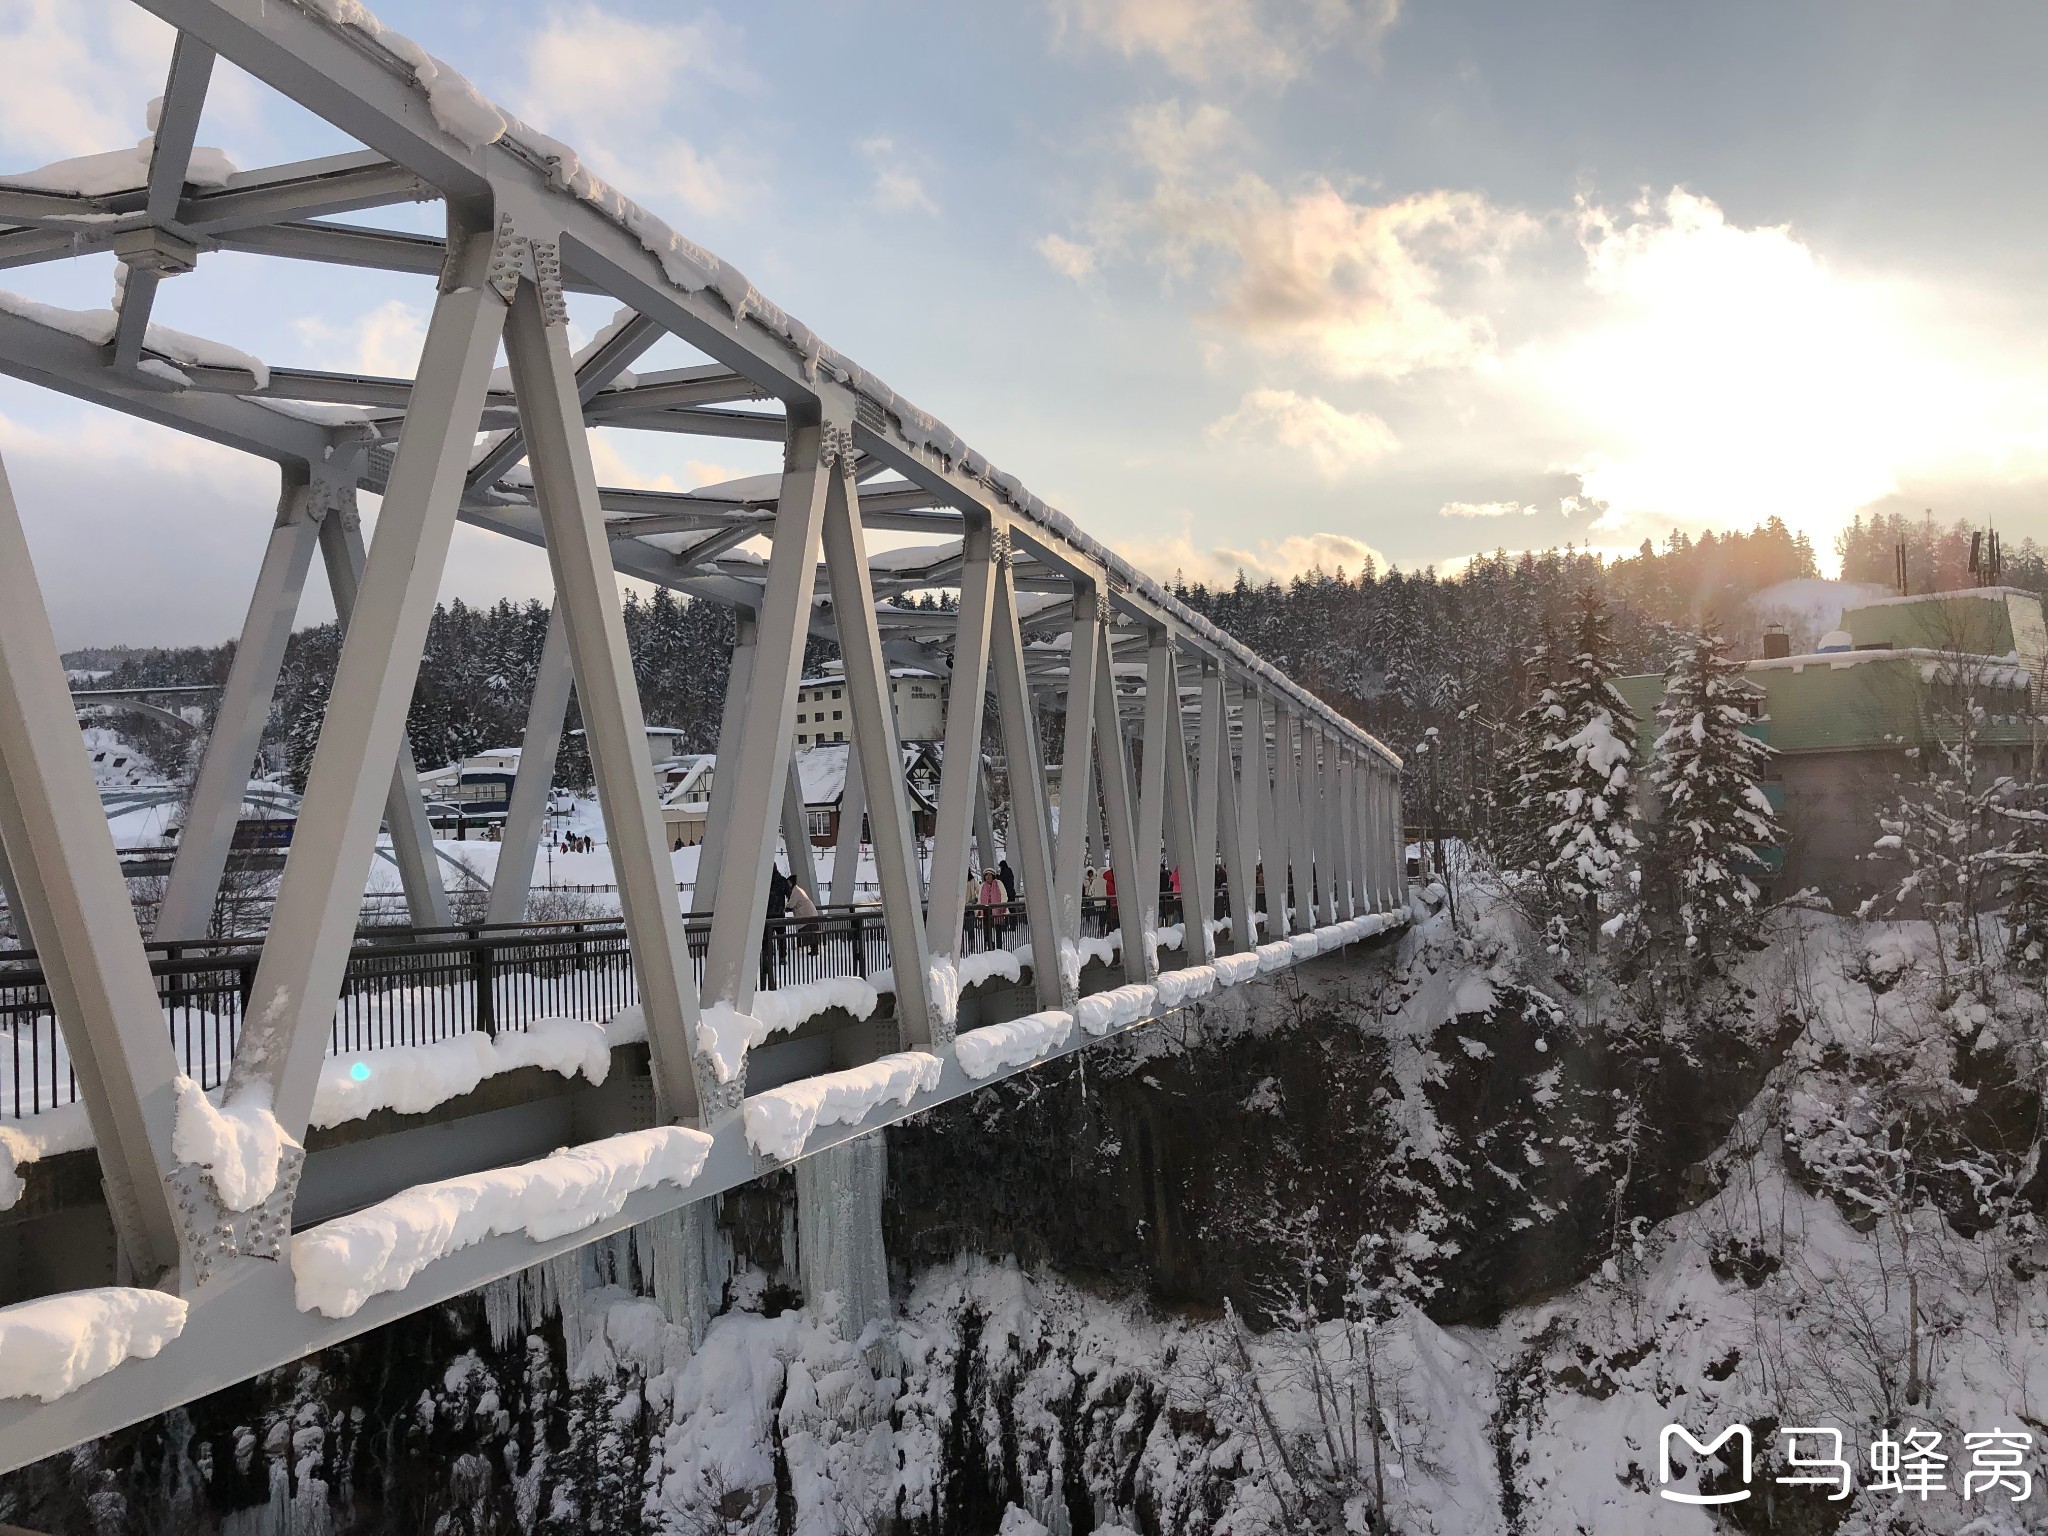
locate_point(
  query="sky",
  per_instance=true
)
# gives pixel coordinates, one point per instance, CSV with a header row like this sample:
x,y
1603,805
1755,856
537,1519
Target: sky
x,y
1239,284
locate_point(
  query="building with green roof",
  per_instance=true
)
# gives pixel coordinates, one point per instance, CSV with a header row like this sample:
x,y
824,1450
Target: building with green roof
x,y
1851,720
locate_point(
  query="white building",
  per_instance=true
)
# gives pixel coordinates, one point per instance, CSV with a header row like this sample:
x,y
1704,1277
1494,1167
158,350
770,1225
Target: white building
x,y
823,715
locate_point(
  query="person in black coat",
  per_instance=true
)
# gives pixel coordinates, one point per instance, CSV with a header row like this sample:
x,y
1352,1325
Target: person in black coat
x,y
1008,877
772,936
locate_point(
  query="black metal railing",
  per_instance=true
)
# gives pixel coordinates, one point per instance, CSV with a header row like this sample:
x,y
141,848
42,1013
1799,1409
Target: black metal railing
x,y
416,986
409,988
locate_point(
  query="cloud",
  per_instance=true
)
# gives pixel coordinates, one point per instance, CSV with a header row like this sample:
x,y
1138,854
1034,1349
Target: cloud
x,y
1356,289
1338,441
1067,257
1485,509
1265,41
611,86
78,74
386,341
1272,560
1716,374
1175,142
897,187
138,534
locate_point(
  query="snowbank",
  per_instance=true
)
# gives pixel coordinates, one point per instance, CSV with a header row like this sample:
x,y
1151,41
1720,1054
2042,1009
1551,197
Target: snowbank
x,y
239,1143
1100,1012
1184,986
412,1079
780,1121
341,1264
56,1344
725,1035
1274,956
1234,970
990,1049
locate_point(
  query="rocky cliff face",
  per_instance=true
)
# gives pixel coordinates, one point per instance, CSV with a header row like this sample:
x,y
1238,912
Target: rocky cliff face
x,y
1423,1129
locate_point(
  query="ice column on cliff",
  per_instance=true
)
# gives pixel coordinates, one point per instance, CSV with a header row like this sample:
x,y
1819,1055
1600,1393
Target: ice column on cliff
x,y
839,1232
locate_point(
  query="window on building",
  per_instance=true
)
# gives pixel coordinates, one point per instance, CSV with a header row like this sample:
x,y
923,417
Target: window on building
x,y
821,823
836,714
838,736
835,693
802,739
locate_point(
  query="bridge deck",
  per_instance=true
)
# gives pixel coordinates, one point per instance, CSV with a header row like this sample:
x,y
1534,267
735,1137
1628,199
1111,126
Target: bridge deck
x,y
251,1324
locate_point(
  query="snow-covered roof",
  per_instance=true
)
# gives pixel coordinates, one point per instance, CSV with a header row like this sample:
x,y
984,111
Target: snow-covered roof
x,y
1931,663
1994,594
821,771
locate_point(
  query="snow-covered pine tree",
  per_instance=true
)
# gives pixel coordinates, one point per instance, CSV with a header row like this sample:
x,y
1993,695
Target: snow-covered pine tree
x,y
1522,780
1586,771
1706,846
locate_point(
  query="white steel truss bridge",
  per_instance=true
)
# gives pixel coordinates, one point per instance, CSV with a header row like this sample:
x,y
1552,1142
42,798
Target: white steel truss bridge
x,y
240,1241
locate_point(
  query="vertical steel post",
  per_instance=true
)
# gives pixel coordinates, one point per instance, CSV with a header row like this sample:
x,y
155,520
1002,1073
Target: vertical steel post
x,y
811,451
1211,775
1400,840
986,848
75,909
963,799
1272,842
1241,823
291,1004
405,810
587,592
853,808
1162,697
1180,828
1077,758
1112,771
725,775
526,812
1287,824
881,759
1347,836
1030,820
796,828
208,830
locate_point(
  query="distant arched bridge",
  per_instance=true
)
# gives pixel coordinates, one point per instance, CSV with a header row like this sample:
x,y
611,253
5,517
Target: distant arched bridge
x,y
221,1237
